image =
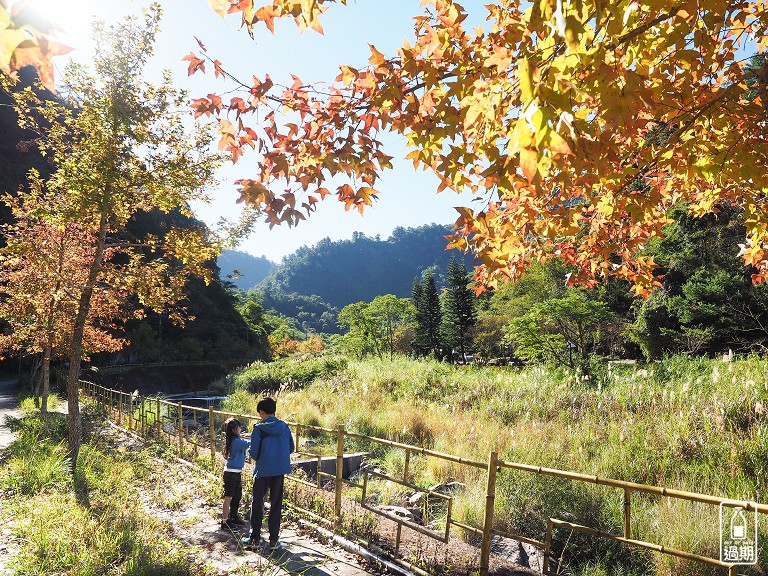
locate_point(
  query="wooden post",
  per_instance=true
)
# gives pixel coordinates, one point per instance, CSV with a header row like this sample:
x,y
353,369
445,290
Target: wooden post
x,y
627,511
143,416
212,433
490,498
339,473
119,407
181,429
406,465
130,411
547,547
157,417
298,436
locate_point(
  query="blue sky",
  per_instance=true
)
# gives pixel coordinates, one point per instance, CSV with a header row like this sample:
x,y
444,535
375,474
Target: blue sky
x,y
407,197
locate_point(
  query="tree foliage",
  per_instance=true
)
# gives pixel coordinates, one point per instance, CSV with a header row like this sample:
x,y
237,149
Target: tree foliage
x,y
427,338
564,330
459,307
28,37
706,303
120,148
41,270
552,112
375,328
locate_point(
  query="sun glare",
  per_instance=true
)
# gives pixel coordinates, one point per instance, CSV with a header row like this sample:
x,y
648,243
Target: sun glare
x,y
72,17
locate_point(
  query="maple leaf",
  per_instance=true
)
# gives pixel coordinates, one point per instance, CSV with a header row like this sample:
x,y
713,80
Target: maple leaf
x,y
220,7
555,114
195,63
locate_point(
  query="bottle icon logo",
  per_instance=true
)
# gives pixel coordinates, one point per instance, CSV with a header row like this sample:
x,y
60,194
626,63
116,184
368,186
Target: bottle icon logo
x,y
738,533
738,524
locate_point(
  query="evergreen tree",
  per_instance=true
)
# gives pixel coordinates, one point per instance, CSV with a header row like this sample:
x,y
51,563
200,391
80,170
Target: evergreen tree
x,y
428,316
459,313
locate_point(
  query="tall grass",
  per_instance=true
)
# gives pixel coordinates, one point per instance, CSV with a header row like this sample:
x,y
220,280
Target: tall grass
x,y
93,525
691,424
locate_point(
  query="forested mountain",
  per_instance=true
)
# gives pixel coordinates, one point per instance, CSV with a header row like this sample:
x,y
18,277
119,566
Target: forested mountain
x,y
347,271
250,269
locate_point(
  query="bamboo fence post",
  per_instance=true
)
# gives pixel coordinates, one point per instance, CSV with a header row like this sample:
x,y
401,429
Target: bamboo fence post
x,y
339,473
119,407
211,431
547,547
406,465
157,418
181,429
490,498
627,511
143,416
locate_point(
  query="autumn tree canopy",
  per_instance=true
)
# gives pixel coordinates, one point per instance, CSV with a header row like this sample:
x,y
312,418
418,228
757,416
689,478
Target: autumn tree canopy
x,y
579,123
120,148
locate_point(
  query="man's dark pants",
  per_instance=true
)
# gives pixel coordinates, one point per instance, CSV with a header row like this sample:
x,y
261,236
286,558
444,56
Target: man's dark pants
x,y
273,484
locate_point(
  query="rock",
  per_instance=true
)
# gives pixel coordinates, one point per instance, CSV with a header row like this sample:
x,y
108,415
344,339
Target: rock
x,y
416,499
417,514
521,553
400,512
448,488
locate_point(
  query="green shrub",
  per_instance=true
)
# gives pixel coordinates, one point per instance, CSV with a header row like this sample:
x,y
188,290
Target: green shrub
x,y
268,377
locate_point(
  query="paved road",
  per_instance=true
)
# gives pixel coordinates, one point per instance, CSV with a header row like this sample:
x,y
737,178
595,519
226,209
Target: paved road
x,y
9,406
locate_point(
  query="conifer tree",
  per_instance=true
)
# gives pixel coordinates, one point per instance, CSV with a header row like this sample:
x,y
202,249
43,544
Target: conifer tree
x,y
426,299
459,312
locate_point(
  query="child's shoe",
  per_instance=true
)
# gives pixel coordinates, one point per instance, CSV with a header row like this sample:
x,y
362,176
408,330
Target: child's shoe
x,y
250,542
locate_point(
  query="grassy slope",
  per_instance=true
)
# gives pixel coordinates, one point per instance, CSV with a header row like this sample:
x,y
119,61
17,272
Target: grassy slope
x,y
689,424
97,524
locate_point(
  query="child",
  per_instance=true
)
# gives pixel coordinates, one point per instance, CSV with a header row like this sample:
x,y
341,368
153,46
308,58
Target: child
x,y
271,447
234,452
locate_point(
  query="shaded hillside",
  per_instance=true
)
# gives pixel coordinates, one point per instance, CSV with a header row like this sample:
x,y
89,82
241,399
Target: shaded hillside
x,y
347,271
17,154
250,269
217,333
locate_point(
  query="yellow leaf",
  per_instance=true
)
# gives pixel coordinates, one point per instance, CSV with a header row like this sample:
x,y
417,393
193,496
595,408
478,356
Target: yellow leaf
x,y
377,58
557,143
219,6
529,160
526,80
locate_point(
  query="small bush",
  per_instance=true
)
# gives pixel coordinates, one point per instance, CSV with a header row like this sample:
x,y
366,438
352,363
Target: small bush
x,y
263,377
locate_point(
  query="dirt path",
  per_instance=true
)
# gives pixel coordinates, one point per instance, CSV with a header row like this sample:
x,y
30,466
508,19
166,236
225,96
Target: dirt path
x,y
9,407
180,499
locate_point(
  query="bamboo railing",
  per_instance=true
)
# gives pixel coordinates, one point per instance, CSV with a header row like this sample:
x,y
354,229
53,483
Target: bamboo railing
x,y
184,426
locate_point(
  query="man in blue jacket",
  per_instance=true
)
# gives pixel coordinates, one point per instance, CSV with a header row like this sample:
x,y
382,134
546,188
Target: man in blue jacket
x,y
271,447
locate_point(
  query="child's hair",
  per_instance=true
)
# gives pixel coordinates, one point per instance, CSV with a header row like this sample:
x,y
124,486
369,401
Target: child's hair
x,y
229,429
266,405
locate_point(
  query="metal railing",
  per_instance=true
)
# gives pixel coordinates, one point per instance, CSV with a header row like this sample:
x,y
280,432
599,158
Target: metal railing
x,y
187,425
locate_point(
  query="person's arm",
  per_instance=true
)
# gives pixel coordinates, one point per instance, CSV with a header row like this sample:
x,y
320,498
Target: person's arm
x,y
255,447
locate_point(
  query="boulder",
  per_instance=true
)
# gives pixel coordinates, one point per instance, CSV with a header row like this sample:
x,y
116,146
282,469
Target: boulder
x,y
400,512
521,553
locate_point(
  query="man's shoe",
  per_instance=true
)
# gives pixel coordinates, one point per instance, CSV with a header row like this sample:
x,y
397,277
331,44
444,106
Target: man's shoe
x,y
229,526
237,520
273,546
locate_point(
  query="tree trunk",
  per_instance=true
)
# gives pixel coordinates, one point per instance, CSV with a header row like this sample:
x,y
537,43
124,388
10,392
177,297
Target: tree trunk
x,y
46,377
76,348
